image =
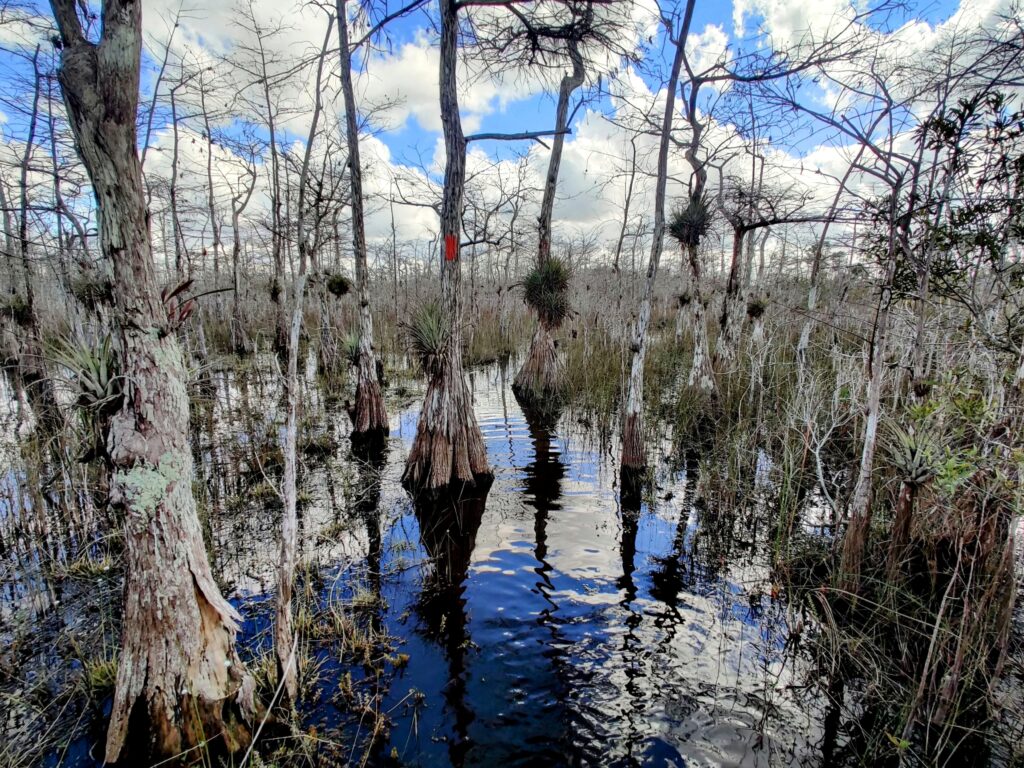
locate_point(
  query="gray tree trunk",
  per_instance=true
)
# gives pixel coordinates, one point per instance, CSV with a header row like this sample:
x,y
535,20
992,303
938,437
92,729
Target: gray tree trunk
x,y
369,419
178,666
634,452
448,448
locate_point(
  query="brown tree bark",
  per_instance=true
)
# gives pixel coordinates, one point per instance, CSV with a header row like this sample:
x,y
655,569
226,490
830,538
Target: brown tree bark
x,y
179,678
448,448
369,419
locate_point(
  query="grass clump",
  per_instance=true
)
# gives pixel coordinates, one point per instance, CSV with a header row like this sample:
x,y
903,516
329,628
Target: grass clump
x,y
99,676
546,291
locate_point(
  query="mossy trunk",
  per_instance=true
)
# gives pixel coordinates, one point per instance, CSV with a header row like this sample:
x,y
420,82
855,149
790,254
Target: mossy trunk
x,y
180,683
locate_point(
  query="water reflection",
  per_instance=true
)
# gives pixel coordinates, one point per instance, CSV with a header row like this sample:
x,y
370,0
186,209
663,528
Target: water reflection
x,y
573,617
448,530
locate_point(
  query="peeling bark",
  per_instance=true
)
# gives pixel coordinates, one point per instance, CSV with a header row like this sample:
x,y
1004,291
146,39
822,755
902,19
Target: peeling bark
x,y
179,678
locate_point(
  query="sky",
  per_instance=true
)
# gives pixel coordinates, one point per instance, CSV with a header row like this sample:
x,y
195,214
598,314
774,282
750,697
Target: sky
x,y
402,146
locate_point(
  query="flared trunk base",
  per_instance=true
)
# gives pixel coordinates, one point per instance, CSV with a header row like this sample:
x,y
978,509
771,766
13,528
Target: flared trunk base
x,y
449,449
540,383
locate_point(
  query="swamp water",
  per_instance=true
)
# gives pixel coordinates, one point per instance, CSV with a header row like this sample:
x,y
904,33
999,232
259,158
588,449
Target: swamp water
x,y
558,622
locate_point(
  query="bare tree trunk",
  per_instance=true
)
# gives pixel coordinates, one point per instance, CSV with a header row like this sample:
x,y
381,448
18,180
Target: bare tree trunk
x,y
701,375
369,419
855,539
178,667
625,210
211,202
277,234
730,319
634,452
448,448
540,380
284,632
38,384
240,342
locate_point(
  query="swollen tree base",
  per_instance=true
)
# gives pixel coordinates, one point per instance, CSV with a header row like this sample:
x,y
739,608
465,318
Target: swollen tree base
x,y
180,682
369,418
540,383
448,451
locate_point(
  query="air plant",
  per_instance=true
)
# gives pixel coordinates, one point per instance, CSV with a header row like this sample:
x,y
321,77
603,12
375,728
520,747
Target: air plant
x,y
546,290
91,292
94,375
16,309
93,370
689,223
756,308
427,335
350,348
913,454
338,285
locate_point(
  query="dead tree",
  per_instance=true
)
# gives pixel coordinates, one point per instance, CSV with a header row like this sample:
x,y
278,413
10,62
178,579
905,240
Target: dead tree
x,y
285,641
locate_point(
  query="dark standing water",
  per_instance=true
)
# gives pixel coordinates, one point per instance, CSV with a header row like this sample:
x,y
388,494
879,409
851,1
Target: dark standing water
x,y
553,626
549,625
